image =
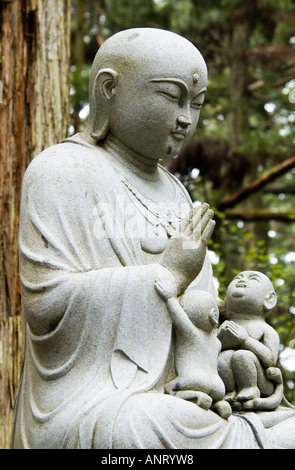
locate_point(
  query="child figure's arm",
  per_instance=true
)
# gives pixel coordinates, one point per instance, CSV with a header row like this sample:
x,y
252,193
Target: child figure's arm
x,y
180,318
266,350
166,286
168,290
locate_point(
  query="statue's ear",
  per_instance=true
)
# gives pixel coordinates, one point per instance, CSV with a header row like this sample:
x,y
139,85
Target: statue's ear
x,y
102,91
270,301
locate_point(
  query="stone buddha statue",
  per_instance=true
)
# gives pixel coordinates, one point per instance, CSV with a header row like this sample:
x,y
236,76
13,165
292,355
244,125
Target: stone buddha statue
x,y
101,219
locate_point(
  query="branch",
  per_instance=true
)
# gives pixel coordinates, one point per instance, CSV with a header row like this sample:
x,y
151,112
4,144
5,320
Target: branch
x,y
260,214
236,198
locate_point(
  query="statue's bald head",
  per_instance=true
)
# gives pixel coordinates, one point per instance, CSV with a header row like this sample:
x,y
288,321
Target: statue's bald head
x,y
150,49
132,54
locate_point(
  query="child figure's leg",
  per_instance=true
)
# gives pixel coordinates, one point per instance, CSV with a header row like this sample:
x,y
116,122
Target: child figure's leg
x,y
185,389
199,398
270,401
246,369
226,373
172,386
223,408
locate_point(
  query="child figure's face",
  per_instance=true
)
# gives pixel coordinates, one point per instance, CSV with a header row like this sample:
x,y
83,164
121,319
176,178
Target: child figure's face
x,y
250,290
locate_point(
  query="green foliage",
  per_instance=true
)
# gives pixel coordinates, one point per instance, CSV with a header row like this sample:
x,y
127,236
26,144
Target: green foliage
x,y
181,16
126,14
79,77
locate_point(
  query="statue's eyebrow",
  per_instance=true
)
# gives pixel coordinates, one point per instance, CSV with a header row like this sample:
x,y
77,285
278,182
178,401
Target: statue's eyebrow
x,y
176,81
257,276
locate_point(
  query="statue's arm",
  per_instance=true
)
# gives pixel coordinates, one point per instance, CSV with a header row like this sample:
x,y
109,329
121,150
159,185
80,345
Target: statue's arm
x,y
267,349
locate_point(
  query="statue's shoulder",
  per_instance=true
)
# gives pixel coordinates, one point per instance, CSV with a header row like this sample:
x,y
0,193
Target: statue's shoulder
x,y
72,157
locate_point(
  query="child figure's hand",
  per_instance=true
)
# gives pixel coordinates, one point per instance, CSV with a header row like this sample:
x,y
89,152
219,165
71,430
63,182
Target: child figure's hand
x,y
166,285
231,334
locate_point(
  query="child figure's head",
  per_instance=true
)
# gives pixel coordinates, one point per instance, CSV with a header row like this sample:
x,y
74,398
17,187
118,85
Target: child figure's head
x,y
250,293
201,309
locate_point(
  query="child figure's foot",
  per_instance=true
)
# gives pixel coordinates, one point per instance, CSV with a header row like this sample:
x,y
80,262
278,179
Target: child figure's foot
x,y
248,393
223,408
230,396
273,373
199,398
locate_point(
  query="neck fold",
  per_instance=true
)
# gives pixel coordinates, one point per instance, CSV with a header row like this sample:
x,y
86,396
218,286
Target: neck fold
x,y
141,166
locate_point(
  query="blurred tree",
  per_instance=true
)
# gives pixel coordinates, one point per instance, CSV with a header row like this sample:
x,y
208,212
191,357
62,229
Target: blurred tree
x,y
241,160
34,60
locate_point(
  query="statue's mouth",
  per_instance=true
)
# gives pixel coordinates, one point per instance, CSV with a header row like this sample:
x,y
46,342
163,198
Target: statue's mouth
x,y
241,284
179,135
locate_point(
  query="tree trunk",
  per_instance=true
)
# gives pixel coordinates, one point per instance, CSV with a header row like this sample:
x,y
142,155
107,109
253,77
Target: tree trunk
x,y
238,116
78,57
34,110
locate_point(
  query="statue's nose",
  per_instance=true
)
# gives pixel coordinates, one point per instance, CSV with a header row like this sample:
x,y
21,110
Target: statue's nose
x,y
184,121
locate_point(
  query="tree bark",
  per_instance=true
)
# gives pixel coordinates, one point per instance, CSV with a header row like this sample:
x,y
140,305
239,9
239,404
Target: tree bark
x,y
78,57
34,111
238,116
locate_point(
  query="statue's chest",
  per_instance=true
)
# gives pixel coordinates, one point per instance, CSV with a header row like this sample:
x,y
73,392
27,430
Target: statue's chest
x,y
151,222
254,329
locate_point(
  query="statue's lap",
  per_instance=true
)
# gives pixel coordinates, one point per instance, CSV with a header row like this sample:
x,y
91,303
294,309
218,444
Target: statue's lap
x,y
159,421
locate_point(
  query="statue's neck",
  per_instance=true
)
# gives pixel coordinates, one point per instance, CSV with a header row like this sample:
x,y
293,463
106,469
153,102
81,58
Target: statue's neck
x,y
141,166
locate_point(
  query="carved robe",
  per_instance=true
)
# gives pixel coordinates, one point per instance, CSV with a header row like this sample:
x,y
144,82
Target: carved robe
x,y
98,338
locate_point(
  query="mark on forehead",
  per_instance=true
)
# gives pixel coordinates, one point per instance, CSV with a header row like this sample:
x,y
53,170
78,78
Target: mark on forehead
x,y
133,36
196,77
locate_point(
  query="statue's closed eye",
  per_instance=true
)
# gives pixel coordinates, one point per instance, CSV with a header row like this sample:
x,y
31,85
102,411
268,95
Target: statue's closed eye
x,y
255,278
170,90
196,105
170,95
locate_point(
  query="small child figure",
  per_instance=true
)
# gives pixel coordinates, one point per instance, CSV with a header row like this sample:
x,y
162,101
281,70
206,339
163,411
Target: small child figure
x,y
195,317
250,346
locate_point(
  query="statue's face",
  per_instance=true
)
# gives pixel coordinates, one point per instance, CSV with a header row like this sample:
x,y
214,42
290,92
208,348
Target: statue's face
x,y
156,114
249,287
247,283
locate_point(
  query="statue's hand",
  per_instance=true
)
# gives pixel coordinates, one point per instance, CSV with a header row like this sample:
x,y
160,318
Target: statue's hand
x,y
231,334
186,252
166,285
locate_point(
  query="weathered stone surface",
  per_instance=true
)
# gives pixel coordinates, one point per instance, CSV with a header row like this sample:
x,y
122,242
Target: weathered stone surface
x,y
112,259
